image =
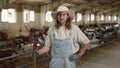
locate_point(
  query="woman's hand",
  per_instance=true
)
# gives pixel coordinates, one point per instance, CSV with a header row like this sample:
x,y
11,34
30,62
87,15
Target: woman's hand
x,y
35,53
74,57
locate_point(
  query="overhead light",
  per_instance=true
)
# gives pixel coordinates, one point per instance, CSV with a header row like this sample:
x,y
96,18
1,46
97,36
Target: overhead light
x,y
68,4
48,1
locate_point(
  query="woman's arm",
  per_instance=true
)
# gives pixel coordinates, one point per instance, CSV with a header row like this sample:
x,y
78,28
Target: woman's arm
x,y
84,47
44,49
80,53
83,40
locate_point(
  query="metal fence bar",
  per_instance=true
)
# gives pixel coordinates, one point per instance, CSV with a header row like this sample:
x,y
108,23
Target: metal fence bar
x,y
25,65
13,56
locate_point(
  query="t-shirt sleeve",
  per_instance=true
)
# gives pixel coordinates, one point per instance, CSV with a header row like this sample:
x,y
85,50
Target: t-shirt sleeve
x,y
81,37
48,40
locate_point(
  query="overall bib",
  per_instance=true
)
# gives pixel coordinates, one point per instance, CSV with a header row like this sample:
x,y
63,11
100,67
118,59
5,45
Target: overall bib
x,y
61,50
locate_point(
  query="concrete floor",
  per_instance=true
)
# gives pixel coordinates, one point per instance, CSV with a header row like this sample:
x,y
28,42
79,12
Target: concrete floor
x,y
108,58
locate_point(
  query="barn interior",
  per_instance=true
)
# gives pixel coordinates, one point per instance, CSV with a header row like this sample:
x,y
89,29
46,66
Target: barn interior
x,y
24,23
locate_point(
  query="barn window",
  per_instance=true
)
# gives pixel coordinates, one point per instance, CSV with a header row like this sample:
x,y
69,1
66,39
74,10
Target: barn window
x,y
102,17
8,15
48,16
92,17
109,18
88,17
4,15
32,16
28,15
79,17
11,15
115,18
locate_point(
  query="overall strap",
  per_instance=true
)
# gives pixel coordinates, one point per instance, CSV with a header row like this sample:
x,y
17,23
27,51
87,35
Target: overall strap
x,y
53,31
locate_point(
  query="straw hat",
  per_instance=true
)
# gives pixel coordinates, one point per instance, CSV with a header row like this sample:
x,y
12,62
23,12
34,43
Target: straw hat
x,y
63,9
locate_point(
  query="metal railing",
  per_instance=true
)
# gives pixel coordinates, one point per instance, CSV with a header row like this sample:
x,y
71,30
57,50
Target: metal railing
x,y
26,64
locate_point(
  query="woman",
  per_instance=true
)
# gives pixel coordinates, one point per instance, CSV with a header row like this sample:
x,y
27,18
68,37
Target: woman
x,y
64,39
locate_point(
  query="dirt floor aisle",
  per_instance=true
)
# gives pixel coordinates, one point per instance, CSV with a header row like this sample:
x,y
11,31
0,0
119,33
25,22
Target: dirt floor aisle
x,y
105,56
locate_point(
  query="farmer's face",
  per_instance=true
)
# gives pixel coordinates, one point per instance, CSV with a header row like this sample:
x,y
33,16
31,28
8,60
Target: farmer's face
x,y
62,17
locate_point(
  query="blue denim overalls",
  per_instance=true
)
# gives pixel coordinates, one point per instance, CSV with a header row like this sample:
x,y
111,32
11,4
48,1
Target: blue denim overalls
x,y
61,50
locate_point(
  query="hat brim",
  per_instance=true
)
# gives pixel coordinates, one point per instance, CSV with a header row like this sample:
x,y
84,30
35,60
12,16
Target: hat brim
x,y
71,14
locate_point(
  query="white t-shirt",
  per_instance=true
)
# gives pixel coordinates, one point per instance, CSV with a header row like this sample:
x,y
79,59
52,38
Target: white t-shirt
x,y
77,36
